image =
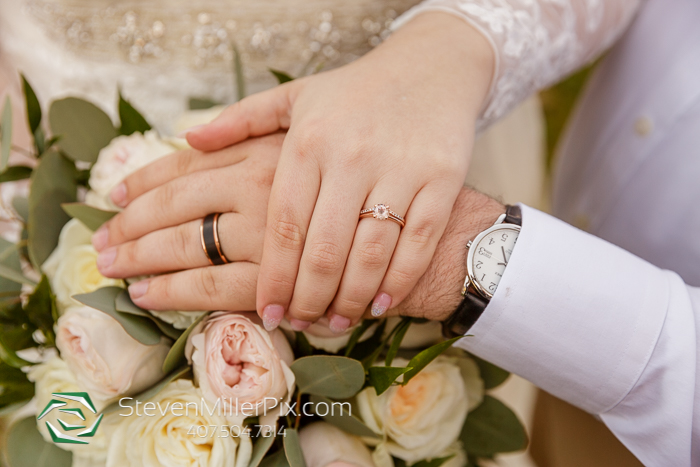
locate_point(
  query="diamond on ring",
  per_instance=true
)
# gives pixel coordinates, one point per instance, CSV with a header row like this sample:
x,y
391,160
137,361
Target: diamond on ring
x,y
381,212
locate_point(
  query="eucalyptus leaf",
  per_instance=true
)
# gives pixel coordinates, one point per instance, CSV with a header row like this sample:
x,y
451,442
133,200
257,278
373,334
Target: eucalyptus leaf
x,y
32,104
131,119
281,76
53,183
492,428
15,172
355,336
21,206
149,393
292,448
343,420
176,355
369,346
11,269
92,217
424,358
492,375
201,103
83,127
124,304
432,462
6,134
382,377
278,459
400,332
9,356
328,375
39,309
17,389
140,328
27,448
260,449
14,275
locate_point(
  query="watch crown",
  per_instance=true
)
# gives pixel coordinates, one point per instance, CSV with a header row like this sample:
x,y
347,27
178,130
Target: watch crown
x,y
469,244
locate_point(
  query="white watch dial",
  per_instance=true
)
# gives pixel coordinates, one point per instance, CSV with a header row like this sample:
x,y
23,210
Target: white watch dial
x,y
490,255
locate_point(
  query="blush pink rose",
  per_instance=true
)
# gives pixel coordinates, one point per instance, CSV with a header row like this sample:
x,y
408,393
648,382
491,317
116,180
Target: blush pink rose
x,y
236,361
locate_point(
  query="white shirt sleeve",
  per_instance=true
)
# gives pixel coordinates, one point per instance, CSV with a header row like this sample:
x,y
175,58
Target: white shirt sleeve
x,y
535,42
604,330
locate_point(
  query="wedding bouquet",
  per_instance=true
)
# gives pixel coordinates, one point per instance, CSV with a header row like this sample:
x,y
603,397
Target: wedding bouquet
x,y
89,378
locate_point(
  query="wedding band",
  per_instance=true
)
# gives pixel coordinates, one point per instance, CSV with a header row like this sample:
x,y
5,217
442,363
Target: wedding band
x,y
209,235
382,212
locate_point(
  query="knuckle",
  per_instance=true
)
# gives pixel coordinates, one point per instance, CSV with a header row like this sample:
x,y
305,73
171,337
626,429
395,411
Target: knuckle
x,y
163,197
183,163
373,254
401,278
117,228
420,235
206,284
181,242
305,312
287,235
351,303
325,258
279,282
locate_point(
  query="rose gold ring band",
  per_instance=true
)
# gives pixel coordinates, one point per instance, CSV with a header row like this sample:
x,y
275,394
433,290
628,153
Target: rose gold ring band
x,y
209,236
382,212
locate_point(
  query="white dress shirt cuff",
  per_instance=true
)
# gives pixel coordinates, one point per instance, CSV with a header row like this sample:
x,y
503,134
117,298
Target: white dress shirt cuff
x,y
577,316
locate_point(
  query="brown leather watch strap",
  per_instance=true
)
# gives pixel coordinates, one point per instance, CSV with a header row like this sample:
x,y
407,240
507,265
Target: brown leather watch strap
x,y
473,304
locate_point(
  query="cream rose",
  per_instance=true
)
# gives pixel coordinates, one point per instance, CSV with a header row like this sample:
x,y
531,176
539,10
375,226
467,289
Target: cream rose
x,y
72,266
163,440
423,418
55,376
122,157
324,445
179,319
321,337
105,359
193,118
235,359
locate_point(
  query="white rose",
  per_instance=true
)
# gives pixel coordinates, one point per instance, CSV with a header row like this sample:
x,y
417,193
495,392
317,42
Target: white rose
x,y
321,337
324,445
72,266
194,118
105,359
179,319
424,418
123,156
163,440
55,376
235,359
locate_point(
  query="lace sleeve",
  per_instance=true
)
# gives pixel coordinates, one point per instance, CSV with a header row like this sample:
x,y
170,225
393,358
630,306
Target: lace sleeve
x,y
536,42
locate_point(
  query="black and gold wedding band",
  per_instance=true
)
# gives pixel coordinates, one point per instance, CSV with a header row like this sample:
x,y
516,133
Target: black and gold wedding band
x,y
209,234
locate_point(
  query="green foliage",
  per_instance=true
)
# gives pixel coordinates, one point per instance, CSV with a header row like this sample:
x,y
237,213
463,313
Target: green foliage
x,y
424,358
14,173
6,134
432,462
16,388
53,183
176,355
41,309
131,119
83,127
261,447
492,428
27,448
398,333
140,328
382,377
33,115
278,459
91,217
328,375
355,336
11,275
343,419
201,103
238,72
302,348
492,375
124,304
281,76
292,448
9,356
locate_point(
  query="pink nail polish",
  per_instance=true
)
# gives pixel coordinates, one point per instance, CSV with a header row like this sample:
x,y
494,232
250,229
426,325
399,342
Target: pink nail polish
x,y
183,133
381,303
100,238
106,258
138,289
299,325
338,324
272,316
118,195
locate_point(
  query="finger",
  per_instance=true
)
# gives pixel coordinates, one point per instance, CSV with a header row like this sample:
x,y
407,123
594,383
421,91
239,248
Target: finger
x,y
372,249
180,247
176,202
326,250
228,287
426,220
256,115
185,162
292,200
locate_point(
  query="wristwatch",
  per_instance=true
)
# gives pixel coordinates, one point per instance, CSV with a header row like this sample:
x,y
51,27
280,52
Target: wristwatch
x,y
487,258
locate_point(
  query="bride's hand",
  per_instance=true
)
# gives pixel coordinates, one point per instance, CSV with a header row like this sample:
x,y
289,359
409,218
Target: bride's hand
x,y
158,231
394,127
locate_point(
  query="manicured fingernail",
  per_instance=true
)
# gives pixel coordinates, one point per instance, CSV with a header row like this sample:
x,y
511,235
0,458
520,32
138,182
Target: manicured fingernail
x,y
138,289
106,258
338,324
381,303
183,133
100,238
299,325
272,316
118,195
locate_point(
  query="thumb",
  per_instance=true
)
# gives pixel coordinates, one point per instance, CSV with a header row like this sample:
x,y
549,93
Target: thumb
x,y
256,115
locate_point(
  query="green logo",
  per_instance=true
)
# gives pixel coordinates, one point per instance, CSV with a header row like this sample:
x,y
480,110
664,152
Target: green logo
x,y
59,436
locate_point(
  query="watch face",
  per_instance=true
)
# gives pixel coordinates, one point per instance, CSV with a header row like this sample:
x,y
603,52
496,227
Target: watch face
x,y
489,255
